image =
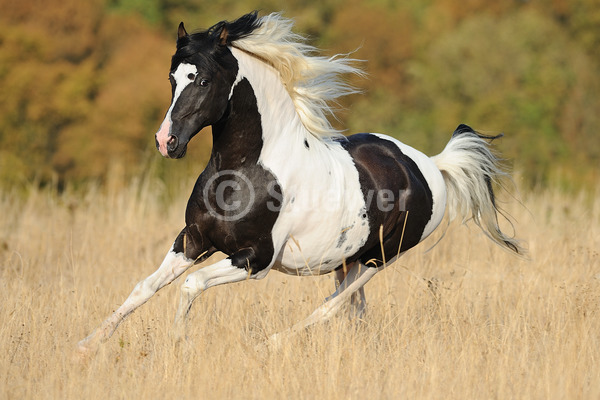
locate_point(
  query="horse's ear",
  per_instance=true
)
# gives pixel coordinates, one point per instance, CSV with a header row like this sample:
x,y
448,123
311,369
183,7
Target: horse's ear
x,y
181,32
223,36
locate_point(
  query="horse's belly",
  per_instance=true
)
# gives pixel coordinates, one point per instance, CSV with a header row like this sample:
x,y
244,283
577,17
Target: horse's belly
x,y
323,239
294,260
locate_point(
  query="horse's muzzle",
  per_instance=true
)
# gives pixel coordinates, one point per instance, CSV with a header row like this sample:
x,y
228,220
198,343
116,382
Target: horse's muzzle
x,y
172,143
175,148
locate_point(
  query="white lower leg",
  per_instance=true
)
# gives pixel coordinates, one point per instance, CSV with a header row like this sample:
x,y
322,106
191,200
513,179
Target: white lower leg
x,y
172,267
216,274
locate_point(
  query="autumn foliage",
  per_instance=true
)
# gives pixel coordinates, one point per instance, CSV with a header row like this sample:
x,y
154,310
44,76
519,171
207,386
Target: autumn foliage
x,y
83,84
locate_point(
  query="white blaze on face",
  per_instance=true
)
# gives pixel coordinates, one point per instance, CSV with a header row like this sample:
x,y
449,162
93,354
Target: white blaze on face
x,y
183,76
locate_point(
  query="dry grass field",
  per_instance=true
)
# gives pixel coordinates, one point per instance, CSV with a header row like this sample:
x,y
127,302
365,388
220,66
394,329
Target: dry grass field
x,y
465,320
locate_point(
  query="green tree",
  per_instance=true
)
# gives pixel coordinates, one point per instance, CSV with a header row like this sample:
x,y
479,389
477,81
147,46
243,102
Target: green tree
x,y
84,88
520,74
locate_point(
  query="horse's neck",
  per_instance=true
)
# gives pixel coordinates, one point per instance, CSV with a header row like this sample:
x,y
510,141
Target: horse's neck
x,y
237,138
280,122
269,131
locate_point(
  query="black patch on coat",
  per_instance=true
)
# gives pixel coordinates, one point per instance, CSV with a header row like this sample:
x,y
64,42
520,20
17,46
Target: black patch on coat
x,y
382,165
229,208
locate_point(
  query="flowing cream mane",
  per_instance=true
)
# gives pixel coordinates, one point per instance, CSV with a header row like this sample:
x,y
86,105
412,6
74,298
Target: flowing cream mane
x,y
314,82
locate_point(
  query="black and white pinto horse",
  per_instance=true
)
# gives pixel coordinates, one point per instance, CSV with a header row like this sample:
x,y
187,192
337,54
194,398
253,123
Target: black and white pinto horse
x,y
283,190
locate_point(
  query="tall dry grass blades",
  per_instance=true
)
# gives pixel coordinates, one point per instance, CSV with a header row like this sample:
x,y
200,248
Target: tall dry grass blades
x,y
463,320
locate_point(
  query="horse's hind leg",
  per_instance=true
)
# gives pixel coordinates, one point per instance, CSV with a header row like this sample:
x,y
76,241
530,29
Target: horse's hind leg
x,y
174,264
356,278
358,301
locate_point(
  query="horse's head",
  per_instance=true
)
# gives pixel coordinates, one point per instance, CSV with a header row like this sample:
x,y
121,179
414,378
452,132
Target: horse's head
x,y
203,71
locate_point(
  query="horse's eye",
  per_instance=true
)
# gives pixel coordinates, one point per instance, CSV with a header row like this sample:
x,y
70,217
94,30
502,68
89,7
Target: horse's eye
x,y
204,82
191,77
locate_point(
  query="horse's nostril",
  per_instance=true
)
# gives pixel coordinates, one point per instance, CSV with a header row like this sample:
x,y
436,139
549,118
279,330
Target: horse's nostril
x,y
172,143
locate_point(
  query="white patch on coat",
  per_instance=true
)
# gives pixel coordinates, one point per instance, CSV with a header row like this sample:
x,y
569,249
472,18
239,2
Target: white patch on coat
x,y
321,218
182,80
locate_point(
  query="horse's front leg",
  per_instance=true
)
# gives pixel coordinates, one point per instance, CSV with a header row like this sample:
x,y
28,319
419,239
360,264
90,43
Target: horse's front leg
x,y
174,264
235,268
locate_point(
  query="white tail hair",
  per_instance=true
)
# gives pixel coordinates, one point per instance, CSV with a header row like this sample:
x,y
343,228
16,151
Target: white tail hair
x,y
470,168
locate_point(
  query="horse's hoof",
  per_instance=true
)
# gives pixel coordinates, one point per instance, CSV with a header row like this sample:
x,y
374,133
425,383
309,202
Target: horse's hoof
x,y
82,353
275,341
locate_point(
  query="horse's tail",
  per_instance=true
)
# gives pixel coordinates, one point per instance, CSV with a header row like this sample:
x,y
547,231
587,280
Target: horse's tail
x,y
469,168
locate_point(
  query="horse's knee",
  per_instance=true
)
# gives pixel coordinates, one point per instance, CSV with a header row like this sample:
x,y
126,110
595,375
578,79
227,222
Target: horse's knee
x,y
189,285
194,283
143,289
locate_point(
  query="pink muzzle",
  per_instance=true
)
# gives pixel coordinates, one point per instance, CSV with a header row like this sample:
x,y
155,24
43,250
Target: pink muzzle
x,y
162,137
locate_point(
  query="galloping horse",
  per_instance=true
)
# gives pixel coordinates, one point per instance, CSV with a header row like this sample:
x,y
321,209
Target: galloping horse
x,y
283,189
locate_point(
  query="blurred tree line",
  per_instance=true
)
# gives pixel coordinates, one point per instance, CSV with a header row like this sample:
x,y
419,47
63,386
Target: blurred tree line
x,y
83,84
